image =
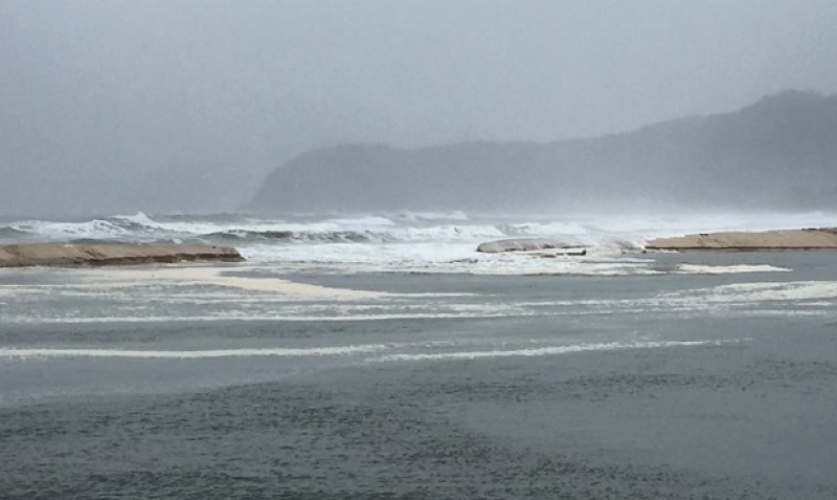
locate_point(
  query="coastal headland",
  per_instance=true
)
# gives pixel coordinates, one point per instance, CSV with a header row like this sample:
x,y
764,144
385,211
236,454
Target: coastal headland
x,y
111,254
778,240
717,153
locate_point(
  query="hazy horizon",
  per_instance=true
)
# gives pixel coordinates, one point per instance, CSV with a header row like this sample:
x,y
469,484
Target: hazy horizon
x,y
187,106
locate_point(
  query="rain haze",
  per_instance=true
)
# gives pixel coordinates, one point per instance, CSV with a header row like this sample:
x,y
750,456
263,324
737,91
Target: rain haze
x,y
187,106
356,249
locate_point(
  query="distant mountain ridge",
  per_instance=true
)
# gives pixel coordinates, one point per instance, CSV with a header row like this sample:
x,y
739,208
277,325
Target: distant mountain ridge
x,y
778,153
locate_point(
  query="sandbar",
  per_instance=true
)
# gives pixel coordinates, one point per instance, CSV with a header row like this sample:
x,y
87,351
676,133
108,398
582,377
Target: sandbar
x,y
203,275
783,239
111,254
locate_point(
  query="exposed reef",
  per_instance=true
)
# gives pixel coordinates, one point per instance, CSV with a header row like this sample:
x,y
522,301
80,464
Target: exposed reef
x,y
527,245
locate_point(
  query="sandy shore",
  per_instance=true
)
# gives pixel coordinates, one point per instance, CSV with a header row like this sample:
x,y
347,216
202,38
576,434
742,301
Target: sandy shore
x,y
210,275
791,239
110,254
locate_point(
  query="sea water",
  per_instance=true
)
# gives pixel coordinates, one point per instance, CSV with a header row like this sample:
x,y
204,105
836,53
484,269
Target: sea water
x,y
382,357
411,242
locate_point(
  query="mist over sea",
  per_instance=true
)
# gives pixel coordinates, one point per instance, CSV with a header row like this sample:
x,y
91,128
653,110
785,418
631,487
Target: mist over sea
x,y
381,356
418,250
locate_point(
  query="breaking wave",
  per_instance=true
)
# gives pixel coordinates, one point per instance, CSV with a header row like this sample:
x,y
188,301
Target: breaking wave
x,y
237,236
403,227
406,240
100,229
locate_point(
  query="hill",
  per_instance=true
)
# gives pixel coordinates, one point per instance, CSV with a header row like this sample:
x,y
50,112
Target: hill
x,y
779,153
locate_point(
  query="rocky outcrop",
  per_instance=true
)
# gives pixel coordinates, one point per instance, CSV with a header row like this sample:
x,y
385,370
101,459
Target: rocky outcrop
x,y
798,239
525,245
111,254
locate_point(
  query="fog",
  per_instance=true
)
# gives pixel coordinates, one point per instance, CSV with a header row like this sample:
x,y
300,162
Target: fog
x,y
180,106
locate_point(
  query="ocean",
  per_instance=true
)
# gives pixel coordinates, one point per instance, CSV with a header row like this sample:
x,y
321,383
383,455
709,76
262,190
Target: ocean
x,y
383,357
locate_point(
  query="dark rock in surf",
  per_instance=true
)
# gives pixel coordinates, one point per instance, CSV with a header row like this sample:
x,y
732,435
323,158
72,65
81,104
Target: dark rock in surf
x,y
523,245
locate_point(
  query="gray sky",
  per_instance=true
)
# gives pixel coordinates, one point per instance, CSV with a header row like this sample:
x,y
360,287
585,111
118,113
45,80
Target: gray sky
x,y
104,100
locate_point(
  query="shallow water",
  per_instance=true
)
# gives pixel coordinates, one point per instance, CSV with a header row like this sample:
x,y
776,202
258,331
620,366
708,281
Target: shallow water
x,y
144,383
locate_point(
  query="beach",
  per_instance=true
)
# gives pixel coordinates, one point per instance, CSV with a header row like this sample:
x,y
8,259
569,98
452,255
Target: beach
x,y
790,239
239,380
108,253
397,361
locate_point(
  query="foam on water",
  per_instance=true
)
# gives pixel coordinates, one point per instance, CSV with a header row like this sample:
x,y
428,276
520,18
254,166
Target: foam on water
x,y
23,353
434,257
542,351
815,297
791,291
439,246
418,242
735,269
205,294
138,219
95,229
297,315
12,353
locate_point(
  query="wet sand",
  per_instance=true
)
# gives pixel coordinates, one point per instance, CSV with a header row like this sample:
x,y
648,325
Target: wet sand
x,y
190,275
791,239
111,254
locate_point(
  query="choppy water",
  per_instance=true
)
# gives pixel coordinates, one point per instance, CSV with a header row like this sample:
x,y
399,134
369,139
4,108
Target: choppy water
x,y
380,375
412,242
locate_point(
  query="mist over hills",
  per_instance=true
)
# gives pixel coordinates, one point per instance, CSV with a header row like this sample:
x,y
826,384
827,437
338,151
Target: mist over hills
x,y
778,153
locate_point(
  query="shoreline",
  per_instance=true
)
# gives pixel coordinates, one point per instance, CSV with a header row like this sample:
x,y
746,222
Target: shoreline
x,y
111,254
811,239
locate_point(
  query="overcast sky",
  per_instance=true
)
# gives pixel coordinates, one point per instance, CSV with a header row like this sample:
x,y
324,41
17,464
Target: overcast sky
x,y
99,98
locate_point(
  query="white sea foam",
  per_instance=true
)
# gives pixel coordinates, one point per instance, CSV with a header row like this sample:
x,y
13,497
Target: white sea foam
x,y
542,351
325,226
735,269
139,218
439,258
790,291
418,242
408,247
22,353
94,229
820,295
238,315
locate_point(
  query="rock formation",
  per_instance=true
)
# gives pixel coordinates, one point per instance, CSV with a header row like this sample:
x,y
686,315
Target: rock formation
x,y
523,245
